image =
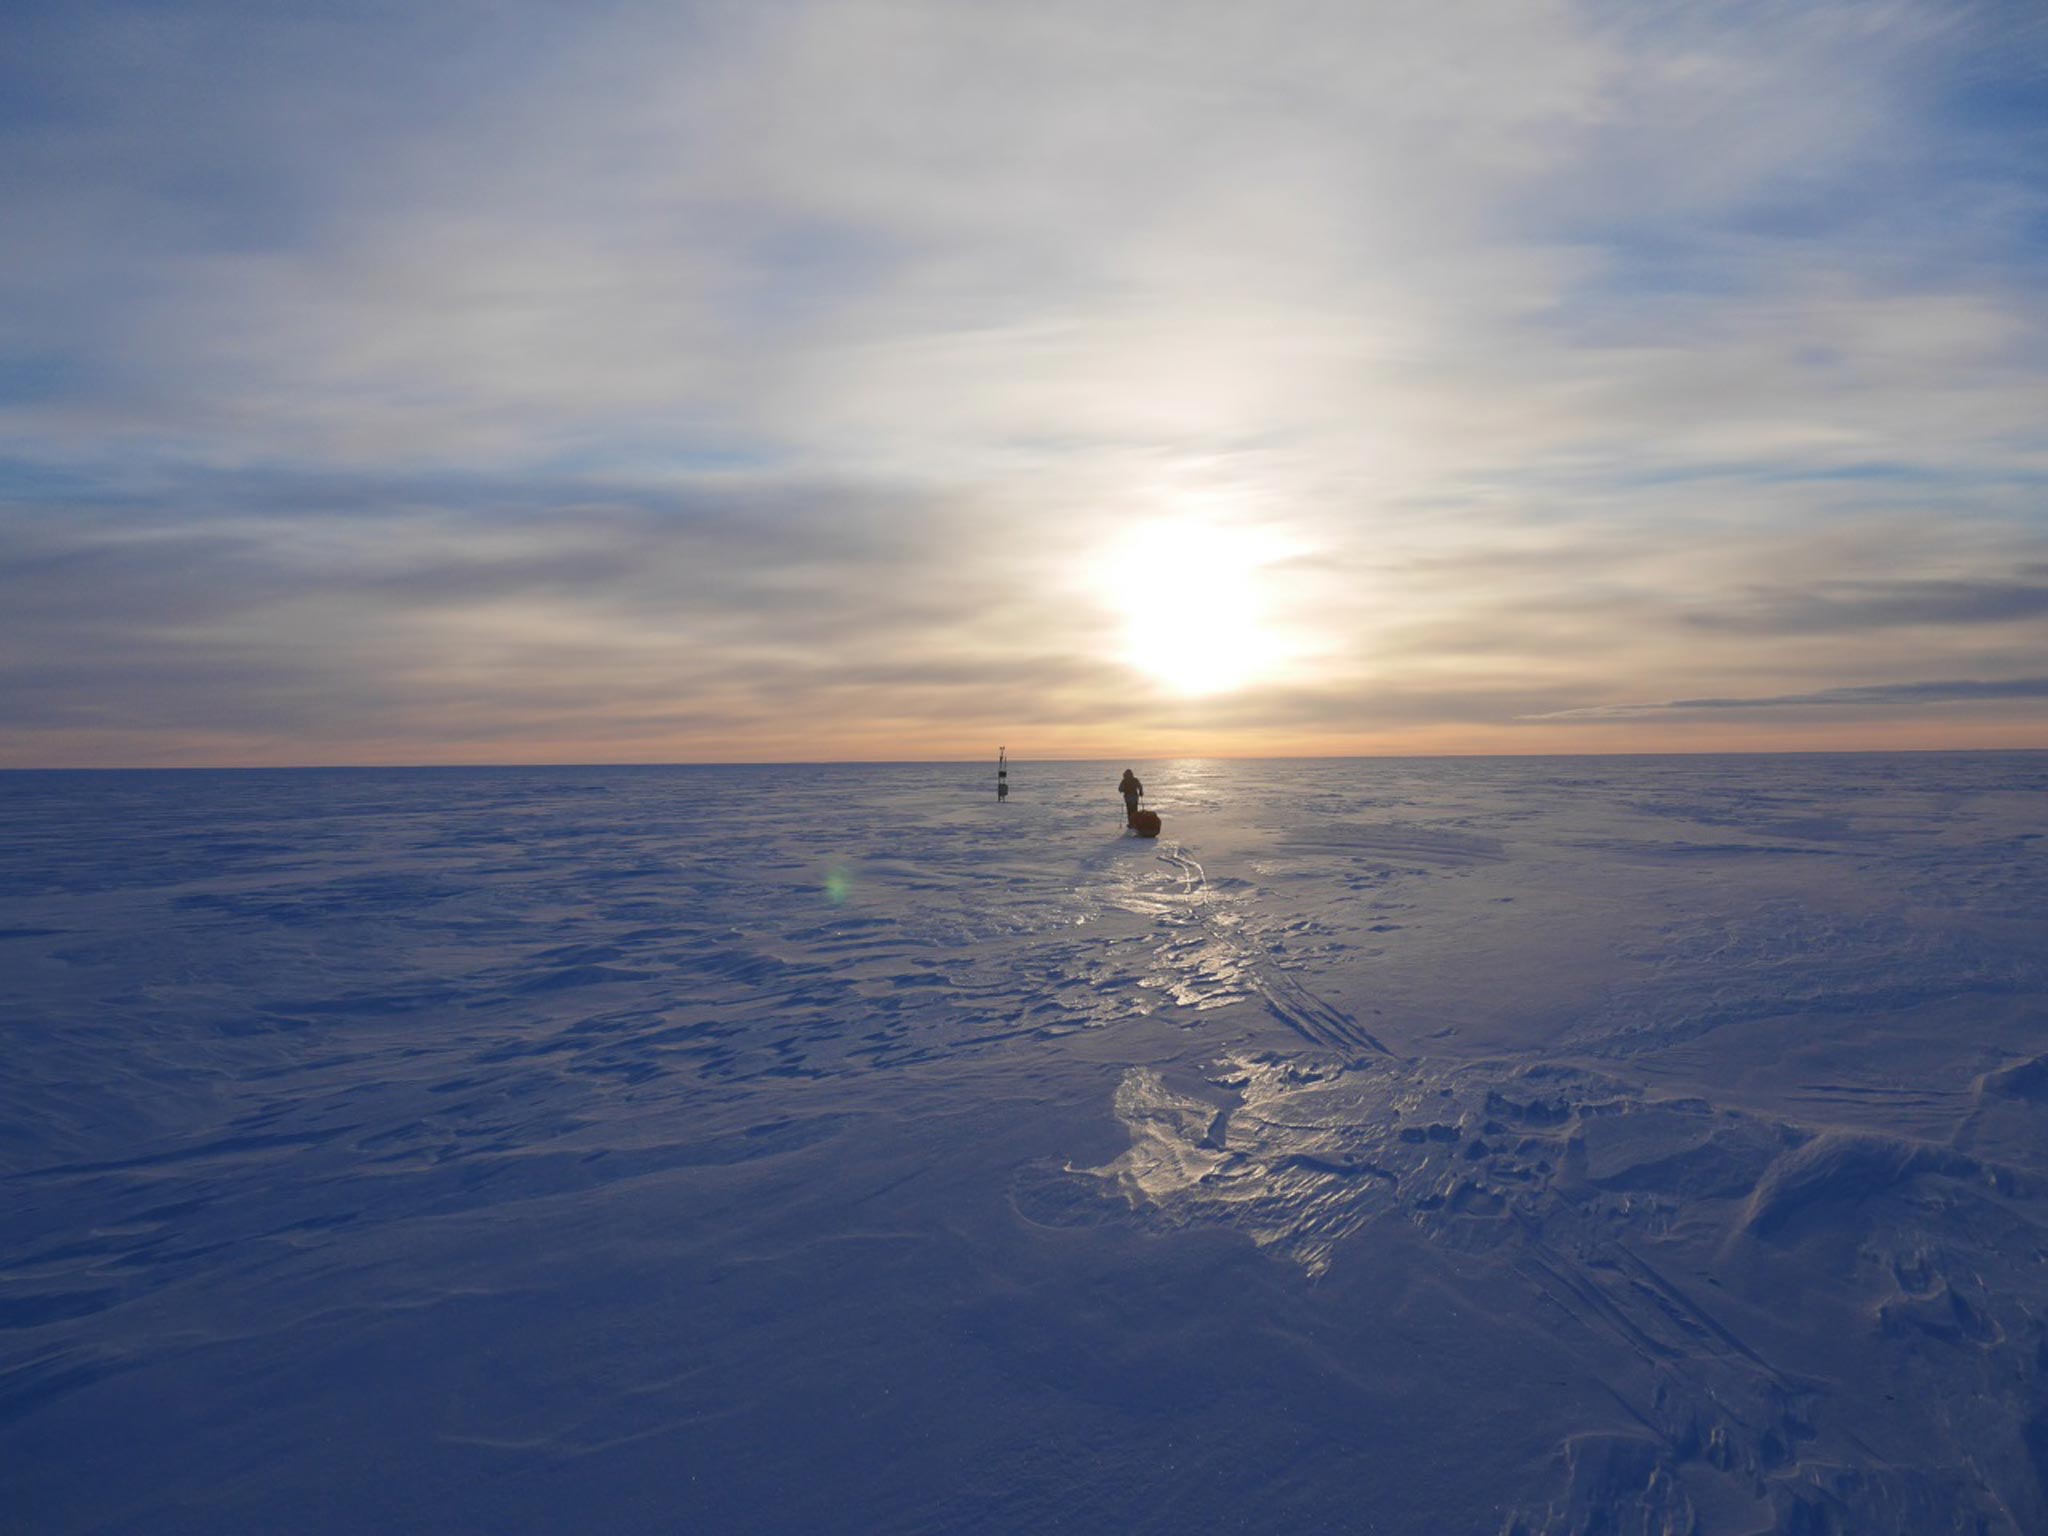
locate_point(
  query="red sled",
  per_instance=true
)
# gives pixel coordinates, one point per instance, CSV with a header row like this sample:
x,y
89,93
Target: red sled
x,y
1145,823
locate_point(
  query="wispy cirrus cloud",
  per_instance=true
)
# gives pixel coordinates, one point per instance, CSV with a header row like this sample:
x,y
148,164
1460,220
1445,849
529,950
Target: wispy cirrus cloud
x,y
1939,691
1835,606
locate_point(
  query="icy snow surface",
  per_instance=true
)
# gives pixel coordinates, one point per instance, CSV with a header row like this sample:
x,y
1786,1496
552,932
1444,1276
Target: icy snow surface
x,y
1631,1145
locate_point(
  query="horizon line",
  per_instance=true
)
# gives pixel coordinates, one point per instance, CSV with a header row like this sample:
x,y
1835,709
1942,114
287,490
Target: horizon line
x,y
916,762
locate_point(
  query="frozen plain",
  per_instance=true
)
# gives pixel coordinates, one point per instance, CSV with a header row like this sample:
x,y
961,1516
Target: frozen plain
x,y
1485,1145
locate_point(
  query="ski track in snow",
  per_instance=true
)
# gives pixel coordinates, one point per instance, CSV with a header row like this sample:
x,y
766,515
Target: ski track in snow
x,y
1725,1079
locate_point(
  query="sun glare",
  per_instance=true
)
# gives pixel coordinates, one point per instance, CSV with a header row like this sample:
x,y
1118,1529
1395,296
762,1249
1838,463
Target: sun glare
x,y
1194,613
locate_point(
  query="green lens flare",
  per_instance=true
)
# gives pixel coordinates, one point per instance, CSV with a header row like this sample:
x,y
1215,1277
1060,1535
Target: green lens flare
x,y
837,886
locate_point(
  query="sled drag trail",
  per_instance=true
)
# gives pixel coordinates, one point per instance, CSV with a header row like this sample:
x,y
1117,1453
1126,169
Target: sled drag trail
x,y
1317,1021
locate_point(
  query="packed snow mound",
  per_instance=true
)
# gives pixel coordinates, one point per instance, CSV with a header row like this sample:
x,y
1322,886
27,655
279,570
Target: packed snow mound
x,y
2022,1080
1843,1169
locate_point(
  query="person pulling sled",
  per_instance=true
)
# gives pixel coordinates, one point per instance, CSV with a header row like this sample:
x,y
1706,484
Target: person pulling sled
x,y
1144,823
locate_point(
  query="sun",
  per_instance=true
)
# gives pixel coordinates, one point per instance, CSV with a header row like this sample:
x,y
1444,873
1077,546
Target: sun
x,y
1194,606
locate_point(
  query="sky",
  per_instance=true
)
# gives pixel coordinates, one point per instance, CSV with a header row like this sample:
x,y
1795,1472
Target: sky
x,y
882,379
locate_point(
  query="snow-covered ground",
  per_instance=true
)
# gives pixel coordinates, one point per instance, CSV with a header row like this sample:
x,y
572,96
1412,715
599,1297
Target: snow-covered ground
x,y
1634,1145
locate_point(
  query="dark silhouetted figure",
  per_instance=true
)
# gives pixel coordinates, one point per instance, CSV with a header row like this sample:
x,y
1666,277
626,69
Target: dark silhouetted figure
x,y
1133,791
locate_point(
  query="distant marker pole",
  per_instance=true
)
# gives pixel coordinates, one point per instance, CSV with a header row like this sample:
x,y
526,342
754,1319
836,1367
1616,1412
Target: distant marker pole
x,y
1002,773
